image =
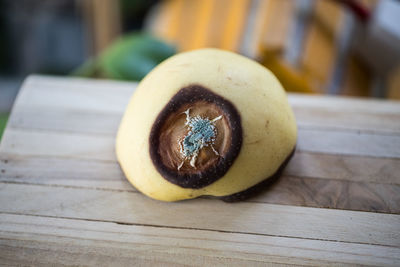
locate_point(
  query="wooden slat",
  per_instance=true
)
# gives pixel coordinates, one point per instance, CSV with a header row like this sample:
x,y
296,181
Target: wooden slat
x,y
65,120
106,175
234,23
173,12
31,239
76,94
217,23
131,207
350,104
344,167
349,143
311,191
303,164
95,122
102,21
319,51
336,194
92,98
346,113
70,145
275,26
100,89
41,142
202,24
320,118
188,17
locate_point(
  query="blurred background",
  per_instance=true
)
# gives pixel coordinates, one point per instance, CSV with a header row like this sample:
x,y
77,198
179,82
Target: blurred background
x,y
340,47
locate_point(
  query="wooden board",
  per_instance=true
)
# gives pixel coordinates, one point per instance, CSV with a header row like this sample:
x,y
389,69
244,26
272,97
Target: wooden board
x,y
64,199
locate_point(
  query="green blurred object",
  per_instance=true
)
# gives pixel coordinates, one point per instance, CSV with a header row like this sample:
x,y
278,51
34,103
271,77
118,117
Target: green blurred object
x,y
3,122
129,58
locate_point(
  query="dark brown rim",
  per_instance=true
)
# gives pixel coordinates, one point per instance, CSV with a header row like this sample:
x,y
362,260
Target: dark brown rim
x,y
192,94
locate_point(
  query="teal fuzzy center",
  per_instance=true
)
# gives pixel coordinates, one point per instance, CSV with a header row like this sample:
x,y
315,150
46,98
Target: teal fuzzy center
x,y
201,133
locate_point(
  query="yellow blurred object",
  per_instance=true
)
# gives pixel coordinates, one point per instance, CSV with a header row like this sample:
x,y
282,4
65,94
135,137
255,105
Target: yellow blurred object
x,y
289,78
222,24
394,84
199,23
298,43
234,24
257,29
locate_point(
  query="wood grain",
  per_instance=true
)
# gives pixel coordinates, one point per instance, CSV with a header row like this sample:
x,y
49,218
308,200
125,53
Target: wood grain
x,y
344,167
308,191
349,143
77,94
70,144
303,164
135,208
336,119
336,194
312,140
78,140
65,200
90,98
346,114
80,242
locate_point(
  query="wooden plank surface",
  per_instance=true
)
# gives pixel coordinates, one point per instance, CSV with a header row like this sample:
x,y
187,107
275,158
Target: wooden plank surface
x,y
99,241
65,200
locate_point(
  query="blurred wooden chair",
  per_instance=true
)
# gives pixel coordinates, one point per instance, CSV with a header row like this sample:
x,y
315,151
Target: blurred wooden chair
x,y
236,25
305,43
300,46
255,28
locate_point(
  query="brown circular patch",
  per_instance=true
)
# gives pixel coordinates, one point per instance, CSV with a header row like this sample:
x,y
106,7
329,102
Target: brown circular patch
x,y
169,129
174,131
